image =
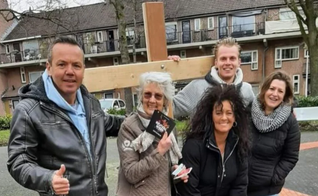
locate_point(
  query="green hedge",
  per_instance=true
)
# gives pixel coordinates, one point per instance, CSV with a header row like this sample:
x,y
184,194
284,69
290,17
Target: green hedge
x,y
307,101
116,112
5,122
4,137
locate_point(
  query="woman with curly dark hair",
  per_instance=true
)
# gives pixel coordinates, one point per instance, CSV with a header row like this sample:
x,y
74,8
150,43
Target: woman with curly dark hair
x,y
216,145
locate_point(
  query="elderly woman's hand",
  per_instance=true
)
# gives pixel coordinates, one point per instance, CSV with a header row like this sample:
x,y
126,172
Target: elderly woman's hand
x,y
164,144
183,178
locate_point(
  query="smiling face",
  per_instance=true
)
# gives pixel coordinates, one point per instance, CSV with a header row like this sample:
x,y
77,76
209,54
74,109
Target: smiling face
x,y
152,98
66,69
274,95
227,61
223,117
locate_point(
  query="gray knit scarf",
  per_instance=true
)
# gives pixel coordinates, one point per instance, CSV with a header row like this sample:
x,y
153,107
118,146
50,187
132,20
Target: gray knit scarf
x,y
271,122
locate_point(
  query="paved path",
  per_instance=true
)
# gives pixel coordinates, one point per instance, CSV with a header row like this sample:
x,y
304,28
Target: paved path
x,y
302,181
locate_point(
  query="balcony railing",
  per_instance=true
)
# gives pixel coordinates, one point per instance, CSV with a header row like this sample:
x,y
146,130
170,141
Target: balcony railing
x,y
111,45
172,38
25,55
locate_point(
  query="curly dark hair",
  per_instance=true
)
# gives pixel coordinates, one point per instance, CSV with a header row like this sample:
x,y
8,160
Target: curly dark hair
x,y
202,127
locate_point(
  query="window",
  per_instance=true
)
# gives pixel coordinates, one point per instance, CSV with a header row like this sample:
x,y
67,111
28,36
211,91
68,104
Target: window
x,y
306,53
296,83
245,23
108,95
130,34
171,32
22,73
14,103
99,35
210,23
135,99
115,61
34,75
30,50
287,14
7,48
121,103
288,53
183,54
197,24
250,57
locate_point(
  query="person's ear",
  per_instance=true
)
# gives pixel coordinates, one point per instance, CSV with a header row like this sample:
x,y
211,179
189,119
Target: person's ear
x,y
48,67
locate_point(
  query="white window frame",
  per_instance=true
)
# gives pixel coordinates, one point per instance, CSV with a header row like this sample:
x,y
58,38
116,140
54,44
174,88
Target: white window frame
x,y
210,23
197,24
279,58
183,54
115,60
254,62
7,46
99,36
296,81
22,74
135,102
306,53
41,72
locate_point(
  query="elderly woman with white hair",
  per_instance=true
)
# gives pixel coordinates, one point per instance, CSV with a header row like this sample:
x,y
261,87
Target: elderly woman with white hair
x,y
145,161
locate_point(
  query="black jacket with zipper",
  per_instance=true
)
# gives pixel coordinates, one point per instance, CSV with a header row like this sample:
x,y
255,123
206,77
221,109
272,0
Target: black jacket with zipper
x,y
209,176
43,137
273,156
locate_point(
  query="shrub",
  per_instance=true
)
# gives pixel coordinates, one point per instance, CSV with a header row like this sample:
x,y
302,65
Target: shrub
x,y
307,101
5,122
116,112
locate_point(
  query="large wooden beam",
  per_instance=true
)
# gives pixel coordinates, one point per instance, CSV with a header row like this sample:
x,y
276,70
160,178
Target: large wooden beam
x,y
114,77
155,31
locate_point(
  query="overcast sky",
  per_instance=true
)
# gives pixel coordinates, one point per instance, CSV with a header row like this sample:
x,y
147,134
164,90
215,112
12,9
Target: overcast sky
x,y
22,5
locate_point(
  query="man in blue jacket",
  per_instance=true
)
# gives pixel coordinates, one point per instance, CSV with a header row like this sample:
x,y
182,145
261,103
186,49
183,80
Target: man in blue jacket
x,y
58,135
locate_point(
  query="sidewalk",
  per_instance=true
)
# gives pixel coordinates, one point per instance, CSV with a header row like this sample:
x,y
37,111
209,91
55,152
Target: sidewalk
x,y
303,179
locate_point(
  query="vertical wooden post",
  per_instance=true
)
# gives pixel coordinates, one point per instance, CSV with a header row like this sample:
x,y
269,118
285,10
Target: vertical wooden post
x,y
155,33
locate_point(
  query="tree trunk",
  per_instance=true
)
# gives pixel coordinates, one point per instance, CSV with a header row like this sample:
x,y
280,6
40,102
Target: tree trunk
x,y
313,70
123,47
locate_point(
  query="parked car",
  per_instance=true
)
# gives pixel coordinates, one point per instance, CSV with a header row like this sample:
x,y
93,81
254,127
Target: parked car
x,y
117,104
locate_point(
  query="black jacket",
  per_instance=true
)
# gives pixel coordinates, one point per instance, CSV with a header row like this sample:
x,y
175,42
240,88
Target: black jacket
x,y
43,137
209,176
273,156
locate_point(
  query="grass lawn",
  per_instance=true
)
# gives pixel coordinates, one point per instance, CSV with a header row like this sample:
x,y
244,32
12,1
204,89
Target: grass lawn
x,y
4,137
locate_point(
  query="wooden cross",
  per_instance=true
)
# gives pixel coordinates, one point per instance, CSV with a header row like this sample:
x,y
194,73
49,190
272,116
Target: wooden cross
x,y
112,77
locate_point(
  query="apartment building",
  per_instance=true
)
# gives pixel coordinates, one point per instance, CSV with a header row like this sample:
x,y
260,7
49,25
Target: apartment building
x,y
267,31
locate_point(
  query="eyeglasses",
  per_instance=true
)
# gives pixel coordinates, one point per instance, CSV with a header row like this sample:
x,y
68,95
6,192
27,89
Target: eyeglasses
x,y
148,95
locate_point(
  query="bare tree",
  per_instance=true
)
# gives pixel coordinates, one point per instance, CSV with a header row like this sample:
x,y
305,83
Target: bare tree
x,y
309,32
123,46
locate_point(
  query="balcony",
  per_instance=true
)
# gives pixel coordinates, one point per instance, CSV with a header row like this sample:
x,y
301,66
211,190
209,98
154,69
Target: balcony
x,y
283,26
16,56
111,45
104,48
237,31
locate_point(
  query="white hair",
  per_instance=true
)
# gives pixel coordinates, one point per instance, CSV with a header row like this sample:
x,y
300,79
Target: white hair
x,y
164,82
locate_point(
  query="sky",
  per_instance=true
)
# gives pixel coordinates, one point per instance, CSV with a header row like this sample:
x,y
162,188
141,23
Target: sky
x,y
23,5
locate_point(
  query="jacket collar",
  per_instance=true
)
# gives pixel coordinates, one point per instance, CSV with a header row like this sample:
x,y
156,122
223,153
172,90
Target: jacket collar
x,y
213,78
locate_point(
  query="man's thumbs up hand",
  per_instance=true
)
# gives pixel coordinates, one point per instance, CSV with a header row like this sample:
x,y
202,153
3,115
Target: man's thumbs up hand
x,y
60,185
61,171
